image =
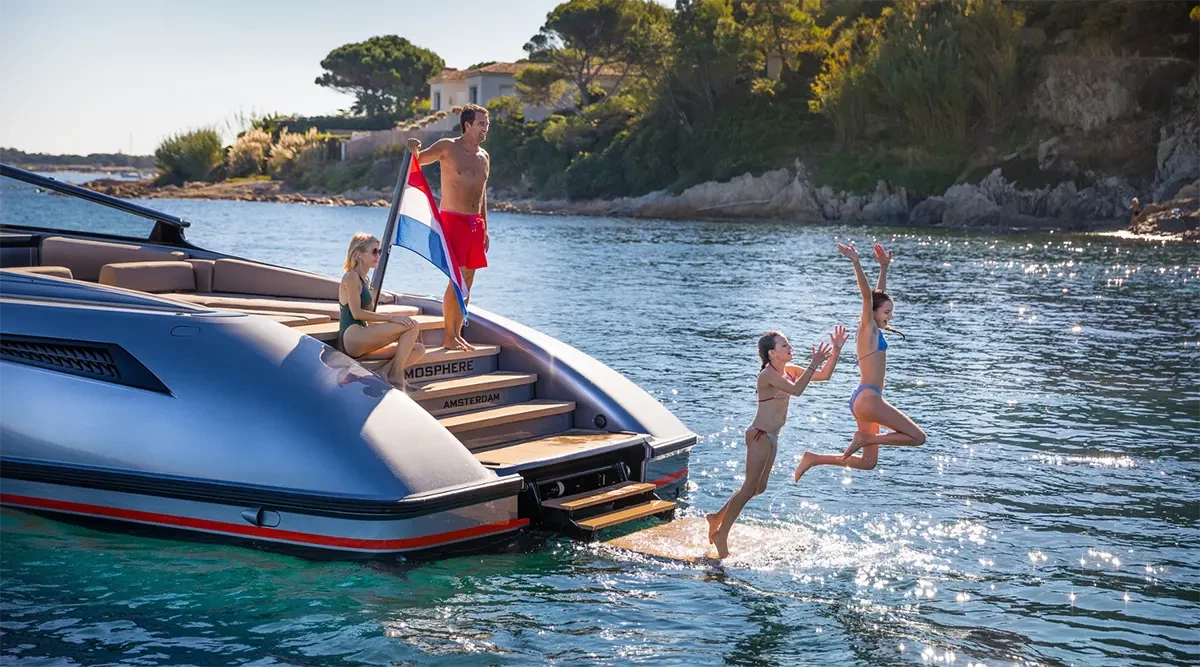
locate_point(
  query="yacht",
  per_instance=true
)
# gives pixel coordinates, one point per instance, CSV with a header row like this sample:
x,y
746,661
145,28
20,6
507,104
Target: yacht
x,y
145,381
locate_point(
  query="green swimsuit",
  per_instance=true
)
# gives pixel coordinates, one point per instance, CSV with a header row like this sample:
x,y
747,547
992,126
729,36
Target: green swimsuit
x,y
347,318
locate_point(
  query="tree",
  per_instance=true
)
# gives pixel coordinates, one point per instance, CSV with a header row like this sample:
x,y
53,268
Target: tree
x,y
385,74
541,85
583,38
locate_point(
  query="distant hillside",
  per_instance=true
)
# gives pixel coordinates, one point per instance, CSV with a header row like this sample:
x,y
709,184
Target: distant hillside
x,y
44,161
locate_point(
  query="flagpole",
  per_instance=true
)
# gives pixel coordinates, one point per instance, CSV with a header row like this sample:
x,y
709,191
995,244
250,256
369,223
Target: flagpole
x,y
389,231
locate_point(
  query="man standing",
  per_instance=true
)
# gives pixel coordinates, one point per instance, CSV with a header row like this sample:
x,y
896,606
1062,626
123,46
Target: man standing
x,y
465,169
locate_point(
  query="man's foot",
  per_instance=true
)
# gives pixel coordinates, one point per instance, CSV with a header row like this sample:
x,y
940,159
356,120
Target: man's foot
x,y
720,540
463,341
454,343
714,524
807,461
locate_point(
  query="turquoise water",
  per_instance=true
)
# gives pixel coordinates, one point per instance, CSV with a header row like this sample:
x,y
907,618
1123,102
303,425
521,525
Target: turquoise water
x,y
1051,519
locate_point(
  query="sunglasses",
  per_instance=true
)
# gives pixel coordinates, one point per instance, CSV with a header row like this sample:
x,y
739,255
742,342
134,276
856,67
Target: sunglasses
x,y
374,251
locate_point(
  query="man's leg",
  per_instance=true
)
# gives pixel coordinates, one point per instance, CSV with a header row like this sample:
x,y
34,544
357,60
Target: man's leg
x,y
452,317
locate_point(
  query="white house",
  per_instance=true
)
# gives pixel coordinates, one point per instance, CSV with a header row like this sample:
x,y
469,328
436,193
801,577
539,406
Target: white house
x,y
456,87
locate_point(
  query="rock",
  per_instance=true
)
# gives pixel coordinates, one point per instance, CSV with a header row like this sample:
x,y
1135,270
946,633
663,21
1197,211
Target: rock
x,y
966,204
1089,92
1177,216
1048,153
1178,155
928,212
1032,37
1064,36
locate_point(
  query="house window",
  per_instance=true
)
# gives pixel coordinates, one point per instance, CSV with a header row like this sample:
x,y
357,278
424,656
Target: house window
x,y
474,94
506,90
437,101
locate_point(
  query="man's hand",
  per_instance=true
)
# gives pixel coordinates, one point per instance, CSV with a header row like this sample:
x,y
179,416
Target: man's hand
x,y
414,146
487,241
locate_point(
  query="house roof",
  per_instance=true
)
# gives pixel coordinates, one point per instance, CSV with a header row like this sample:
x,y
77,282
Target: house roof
x,y
499,69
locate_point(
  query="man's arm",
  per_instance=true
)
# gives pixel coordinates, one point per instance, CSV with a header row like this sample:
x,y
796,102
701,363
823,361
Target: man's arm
x,y
435,152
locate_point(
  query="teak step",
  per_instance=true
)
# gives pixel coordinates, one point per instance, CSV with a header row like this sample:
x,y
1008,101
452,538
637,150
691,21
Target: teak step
x,y
607,494
470,384
553,448
505,414
624,515
328,331
442,398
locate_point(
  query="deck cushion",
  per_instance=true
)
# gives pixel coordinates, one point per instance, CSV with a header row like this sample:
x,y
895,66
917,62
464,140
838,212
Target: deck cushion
x,y
86,258
242,277
152,277
56,271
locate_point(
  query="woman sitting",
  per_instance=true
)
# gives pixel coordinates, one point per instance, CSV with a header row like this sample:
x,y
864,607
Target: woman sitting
x,y
391,337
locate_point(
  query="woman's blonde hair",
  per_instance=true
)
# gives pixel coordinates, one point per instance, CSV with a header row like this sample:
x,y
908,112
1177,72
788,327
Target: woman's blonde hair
x,y
358,245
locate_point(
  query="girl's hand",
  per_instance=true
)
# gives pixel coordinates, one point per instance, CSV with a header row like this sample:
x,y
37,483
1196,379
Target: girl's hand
x,y
883,256
848,251
820,355
839,337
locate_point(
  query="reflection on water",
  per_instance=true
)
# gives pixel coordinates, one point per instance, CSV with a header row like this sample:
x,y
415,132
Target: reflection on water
x,y
1051,518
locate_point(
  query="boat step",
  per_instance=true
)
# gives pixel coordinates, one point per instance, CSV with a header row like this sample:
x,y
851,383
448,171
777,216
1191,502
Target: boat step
x,y
624,515
472,392
608,494
552,449
506,423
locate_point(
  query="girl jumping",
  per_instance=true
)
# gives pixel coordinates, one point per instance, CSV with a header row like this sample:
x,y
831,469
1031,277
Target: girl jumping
x,y
866,403
778,381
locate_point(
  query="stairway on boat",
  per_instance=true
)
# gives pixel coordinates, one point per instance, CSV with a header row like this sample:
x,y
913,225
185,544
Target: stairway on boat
x,y
578,480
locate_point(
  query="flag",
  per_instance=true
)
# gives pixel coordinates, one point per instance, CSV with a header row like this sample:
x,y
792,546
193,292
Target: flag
x,y
419,229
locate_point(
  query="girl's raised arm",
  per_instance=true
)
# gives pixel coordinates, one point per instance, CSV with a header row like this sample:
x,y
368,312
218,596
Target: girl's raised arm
x,y
863,285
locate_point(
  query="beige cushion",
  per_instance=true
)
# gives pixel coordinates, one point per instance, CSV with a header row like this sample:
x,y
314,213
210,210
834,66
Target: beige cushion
x,y
204,274
244,302
56,271
242,277
85,258
153,277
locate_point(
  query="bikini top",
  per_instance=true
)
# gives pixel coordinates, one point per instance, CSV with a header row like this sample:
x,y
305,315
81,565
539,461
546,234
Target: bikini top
x,y
882,346
778,394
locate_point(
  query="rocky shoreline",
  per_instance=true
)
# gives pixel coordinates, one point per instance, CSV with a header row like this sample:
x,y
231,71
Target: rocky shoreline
x,y
261,190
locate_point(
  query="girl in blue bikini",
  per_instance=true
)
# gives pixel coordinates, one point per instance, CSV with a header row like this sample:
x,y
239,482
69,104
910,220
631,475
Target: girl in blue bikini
x,y
866,403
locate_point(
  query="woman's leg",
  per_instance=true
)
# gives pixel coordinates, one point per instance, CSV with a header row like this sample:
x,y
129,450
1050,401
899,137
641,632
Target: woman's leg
x,y
758,452
868,460
360,341
875,409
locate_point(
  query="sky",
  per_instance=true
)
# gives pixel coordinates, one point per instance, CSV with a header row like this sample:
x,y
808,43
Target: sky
x,y
102,76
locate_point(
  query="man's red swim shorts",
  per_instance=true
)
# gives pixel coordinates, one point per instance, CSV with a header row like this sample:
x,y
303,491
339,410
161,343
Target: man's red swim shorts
x,y
465,235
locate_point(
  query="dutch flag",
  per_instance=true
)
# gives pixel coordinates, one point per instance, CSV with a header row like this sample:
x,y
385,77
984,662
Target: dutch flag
x,y
419,228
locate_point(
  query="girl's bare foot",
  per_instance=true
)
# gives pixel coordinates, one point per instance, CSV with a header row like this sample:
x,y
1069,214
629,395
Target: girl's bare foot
x,y
720,540
714,524
856,443
807,461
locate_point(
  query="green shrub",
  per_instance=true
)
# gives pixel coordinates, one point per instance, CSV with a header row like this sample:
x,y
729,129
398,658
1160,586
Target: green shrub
x,y
248,155
190,156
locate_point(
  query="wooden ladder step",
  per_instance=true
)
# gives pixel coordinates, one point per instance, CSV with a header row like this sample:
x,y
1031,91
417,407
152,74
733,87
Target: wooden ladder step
x,y
627,514
505,414
470,384
600,496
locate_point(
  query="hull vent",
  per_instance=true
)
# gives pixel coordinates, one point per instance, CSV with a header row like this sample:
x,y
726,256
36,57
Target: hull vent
x,y
98,361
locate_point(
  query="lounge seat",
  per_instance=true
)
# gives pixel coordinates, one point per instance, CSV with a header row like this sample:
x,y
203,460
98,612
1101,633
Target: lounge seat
x,y
56,271
85,258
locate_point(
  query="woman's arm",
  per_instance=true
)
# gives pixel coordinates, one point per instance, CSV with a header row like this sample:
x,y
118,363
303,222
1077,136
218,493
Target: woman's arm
x,y
885,258
350,288
797,387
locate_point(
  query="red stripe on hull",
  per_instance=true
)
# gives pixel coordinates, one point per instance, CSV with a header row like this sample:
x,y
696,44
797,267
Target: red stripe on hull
x,y
673,477
397,544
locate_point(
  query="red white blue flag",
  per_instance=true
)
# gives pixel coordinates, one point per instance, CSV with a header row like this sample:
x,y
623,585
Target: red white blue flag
x,y
419,228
